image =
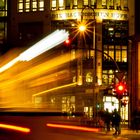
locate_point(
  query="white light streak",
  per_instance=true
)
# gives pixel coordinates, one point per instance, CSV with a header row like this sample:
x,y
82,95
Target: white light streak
x,y
47,43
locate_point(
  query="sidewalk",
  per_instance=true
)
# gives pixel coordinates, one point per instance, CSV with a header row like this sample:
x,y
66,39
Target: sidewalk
x,y
124,131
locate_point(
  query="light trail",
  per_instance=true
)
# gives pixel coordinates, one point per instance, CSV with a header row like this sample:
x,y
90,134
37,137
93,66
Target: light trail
x,y
14,127
47,43
56,88
73,127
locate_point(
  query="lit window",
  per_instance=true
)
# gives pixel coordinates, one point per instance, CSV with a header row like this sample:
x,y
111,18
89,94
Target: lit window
x,y
111,51
108,77
93,2
27,5
20,6
124,53
89,77
125,3
68,104
53,4
41,5
75,2
85,2
111,3
117,3
104,2
61,4
118,53
34,5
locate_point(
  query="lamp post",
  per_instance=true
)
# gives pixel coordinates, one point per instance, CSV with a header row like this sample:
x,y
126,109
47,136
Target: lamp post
x,y
83,28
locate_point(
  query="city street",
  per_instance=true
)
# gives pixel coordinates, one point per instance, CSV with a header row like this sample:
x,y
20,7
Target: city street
x,y
38,130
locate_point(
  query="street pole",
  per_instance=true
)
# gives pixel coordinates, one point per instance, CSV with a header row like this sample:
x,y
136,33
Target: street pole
x,y
94,59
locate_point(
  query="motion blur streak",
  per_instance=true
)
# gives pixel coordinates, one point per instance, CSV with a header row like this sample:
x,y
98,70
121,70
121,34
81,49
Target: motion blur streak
x,y
40,47
16,128
68,85
45,44
73,127
8,65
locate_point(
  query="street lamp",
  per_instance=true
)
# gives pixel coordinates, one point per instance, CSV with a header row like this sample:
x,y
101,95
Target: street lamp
x,y
82,28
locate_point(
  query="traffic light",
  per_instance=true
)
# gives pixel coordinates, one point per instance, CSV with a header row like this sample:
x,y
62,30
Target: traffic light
x,y
120,89
67,42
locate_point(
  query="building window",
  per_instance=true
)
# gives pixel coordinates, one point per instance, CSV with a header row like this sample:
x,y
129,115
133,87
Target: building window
x,y
3,28
89,77
118,53
93,3
111,4
104,3
108,77
68,104
20,6
27,5
61,4
75,4
118,4
109,50
53,4
67,4
121,54
124,53
34,5
30,5
3,8
41,5
125,4
85,2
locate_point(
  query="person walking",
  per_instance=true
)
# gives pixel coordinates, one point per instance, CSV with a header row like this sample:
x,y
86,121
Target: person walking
x,y
116,120
107,119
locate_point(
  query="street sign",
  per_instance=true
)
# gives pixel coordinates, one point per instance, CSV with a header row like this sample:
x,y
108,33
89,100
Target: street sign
x,y
119,75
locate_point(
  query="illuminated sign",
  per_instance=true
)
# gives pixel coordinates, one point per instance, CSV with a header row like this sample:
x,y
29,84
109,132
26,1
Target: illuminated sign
x,y
88,14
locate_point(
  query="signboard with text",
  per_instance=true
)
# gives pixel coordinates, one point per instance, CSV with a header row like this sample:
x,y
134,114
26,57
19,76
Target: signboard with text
x,y
100,14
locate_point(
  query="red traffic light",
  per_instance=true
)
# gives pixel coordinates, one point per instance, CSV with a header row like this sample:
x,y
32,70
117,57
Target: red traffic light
x,y
120,87
67,42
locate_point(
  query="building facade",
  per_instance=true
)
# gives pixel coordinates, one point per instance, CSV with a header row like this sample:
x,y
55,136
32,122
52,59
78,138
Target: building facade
x,y
101,52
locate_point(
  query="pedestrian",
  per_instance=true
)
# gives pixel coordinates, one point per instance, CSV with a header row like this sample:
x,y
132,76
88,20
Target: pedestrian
x,y
116,120
136,121
107,119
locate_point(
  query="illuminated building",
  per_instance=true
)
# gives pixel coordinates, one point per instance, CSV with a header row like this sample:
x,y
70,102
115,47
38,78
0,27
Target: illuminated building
x,y
32,19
